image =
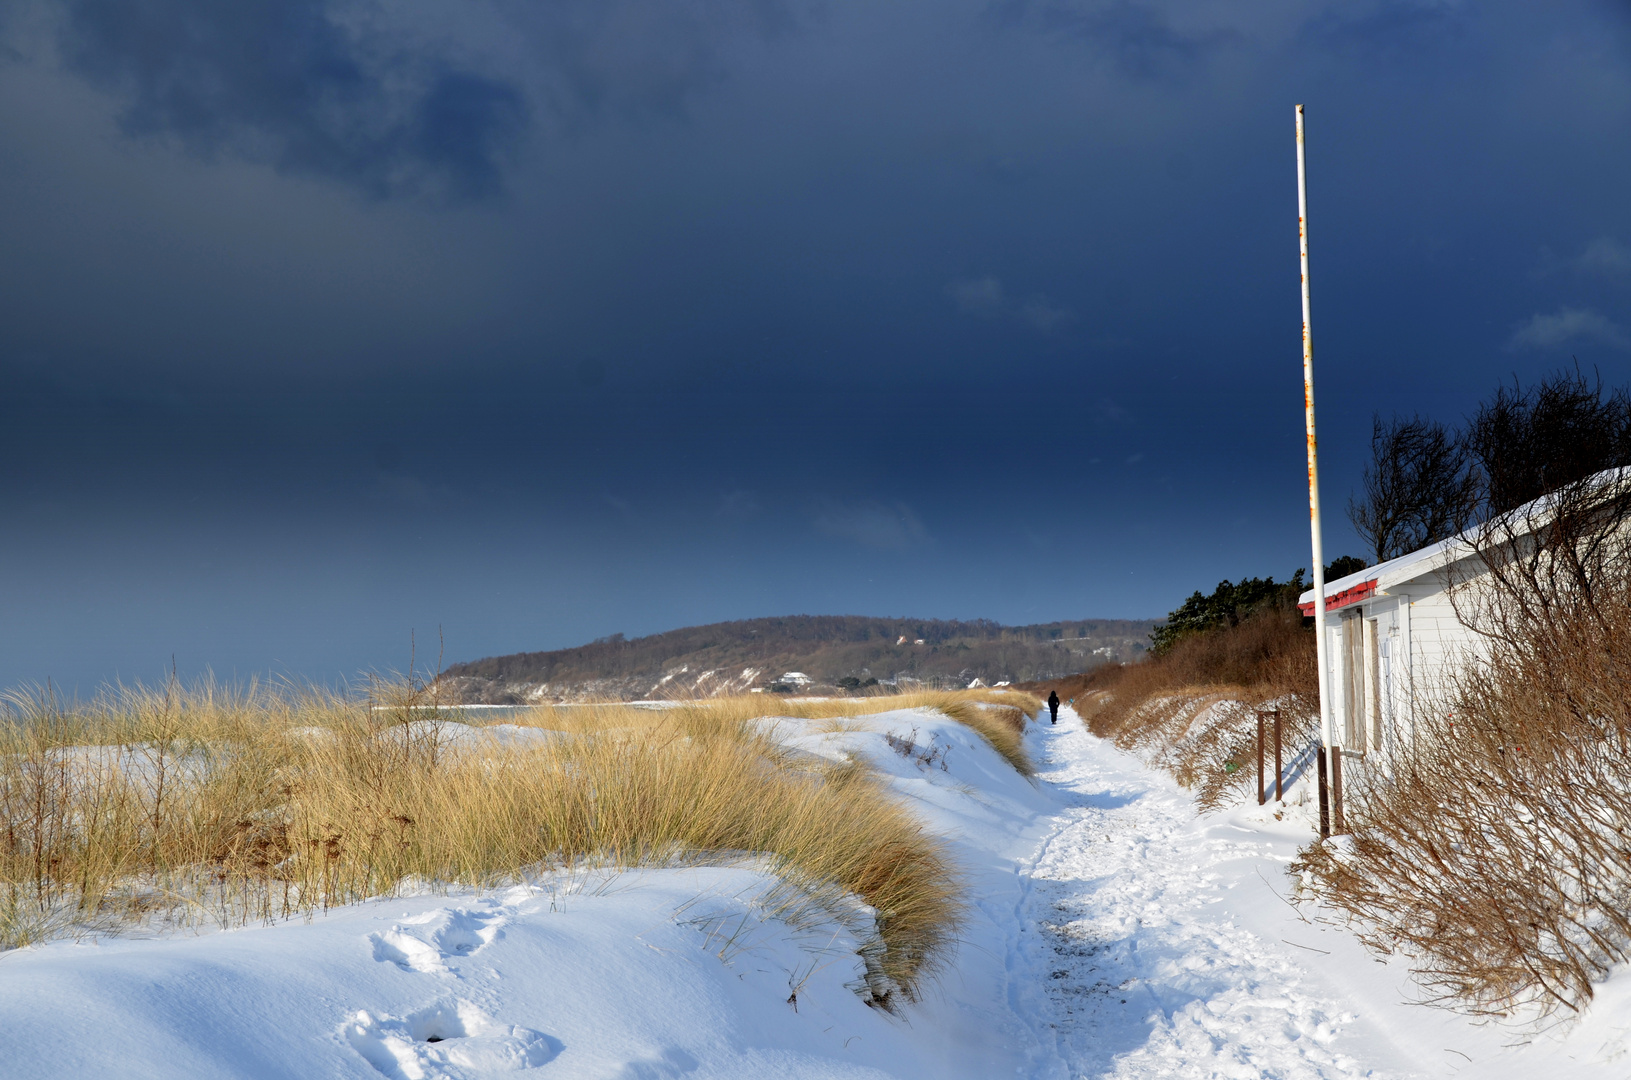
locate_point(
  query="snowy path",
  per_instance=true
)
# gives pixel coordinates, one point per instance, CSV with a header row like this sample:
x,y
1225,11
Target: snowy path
x,y
1154,943
1141,965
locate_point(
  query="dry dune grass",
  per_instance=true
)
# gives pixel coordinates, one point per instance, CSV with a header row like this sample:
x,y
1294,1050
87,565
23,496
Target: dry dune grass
x,y
260,804
998,716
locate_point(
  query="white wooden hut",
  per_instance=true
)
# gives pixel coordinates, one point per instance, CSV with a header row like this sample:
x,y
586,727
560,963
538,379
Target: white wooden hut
x,y
1383,626
1392,634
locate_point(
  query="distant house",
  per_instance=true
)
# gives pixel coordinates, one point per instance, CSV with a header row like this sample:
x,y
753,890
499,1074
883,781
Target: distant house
x,y
797,679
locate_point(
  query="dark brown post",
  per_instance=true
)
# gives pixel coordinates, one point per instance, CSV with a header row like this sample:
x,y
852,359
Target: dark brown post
x,y
1336,791
1325,799
1279,769
1260,788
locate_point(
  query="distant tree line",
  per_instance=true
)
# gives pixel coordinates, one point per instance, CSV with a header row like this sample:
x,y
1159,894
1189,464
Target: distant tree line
x,y
1232,602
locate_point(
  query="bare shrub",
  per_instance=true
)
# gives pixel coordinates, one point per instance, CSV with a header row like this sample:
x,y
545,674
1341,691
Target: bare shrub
x,y
1528,443
1497,853
1418,487
925,756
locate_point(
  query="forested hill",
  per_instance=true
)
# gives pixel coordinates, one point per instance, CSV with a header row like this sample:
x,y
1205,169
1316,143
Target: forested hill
x,y
834,651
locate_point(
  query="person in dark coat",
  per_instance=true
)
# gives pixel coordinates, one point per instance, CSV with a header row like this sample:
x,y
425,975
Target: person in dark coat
x,y
1053,705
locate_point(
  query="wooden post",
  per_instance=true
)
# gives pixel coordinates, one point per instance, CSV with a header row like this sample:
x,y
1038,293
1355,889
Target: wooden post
x,y
1261,789
1336,790
1325,799
1279,768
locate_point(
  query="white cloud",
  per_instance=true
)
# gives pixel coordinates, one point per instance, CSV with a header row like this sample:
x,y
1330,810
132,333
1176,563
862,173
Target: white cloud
x,y
1569,324
738,505
981,297
1605,255
624,508
985,298
872,523
1106,411
1042,315
408,489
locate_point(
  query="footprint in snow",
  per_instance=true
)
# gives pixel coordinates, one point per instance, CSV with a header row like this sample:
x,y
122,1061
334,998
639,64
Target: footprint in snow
x,y
463,932
671,1064
427,943
444,1040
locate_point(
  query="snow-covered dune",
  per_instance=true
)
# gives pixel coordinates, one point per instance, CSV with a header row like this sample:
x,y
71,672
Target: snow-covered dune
x,y
651,973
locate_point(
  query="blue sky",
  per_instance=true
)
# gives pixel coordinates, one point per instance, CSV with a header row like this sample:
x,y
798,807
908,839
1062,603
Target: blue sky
x,y
326,323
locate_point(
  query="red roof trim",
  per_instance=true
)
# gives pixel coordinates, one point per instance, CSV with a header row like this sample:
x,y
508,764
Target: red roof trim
x,y
1352,595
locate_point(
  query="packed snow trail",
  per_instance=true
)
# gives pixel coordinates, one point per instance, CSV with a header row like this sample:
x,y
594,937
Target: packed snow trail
x,y
1140,966
1155,942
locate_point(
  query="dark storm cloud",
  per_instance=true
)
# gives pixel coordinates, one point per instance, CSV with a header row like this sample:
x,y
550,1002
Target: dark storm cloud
x,y
811,305
314,86
284,81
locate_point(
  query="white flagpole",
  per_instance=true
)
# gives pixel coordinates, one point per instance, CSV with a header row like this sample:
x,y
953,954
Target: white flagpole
x,y
1313,455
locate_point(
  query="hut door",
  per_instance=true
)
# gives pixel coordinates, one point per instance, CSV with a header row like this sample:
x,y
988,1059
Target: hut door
x,y
1353,682
1373,686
